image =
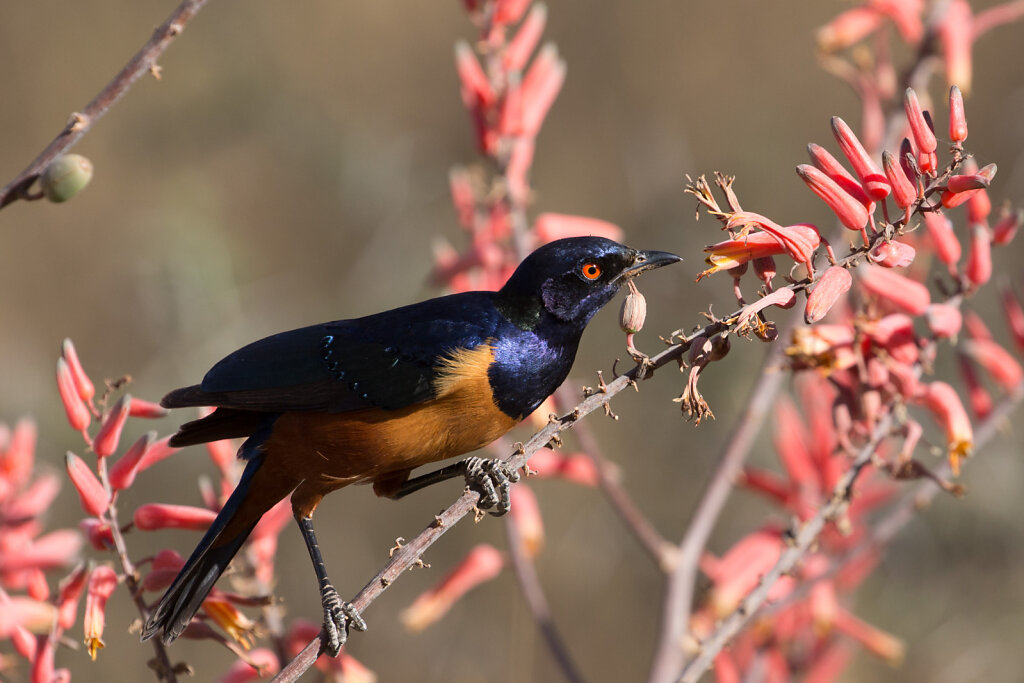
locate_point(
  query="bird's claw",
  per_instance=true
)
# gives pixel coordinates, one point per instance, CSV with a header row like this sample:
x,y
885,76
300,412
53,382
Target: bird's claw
x,y
339,617
493,480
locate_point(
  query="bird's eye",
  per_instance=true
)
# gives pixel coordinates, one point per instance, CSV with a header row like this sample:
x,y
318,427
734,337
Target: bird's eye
x,y
591,271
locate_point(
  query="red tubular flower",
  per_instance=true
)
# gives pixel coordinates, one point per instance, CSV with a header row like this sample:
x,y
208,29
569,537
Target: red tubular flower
x,y
481,564
897,290
848,28
955,33
924,136
944,240
554,226
69,592
78,414
82,382
93,496
792,446
977,395
510,119
798,241
102,583
157,452
528,520
906,14
833,284
871,176
851,212
947,409
541,85
122,474
999,363
522,45
944,320
979,261
830,166
34,500
876,641
1006,228
509,11
17,460
892,254
960,188
141,408
231,620
260,663
1014,315
19,610
109,434
730,254
895,334
154,516
903,191
738,571
476,88
957,117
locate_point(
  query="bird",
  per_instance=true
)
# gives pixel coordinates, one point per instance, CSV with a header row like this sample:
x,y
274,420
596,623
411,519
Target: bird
x,y
368,400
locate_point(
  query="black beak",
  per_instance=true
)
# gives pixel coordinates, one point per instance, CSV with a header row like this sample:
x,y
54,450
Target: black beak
x,y
649,260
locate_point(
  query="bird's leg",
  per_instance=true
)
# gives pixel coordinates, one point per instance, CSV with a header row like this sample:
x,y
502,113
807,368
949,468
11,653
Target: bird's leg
x,y
489,477
339,616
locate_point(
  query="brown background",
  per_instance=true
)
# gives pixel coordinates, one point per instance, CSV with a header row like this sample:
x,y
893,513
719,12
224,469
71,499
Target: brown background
x,y
291,167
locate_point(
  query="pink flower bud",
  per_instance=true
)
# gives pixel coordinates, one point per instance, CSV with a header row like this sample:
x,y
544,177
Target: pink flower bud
x,y
522,45
830,166
483,563
955,34
878,642
957,117
154,516
17,460
122,474
18,610
93,496
944,320
102,583
476,88
35,500
78,414
738,571
157,452
1000,365
943,239
82,382
976,327
99,534
798,241
70,590
979,260
903,191
109,434
1006,228
851,212
945,406
928,162
541,86
871,176
833,284
528,521
894,289
554,226
42,665
924,136
895,333
792,444
848,28
892,254
960,188
1014,315
147,409
509,11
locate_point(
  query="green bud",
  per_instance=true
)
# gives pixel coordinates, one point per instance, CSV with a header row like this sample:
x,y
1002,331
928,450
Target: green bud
x,y
65,177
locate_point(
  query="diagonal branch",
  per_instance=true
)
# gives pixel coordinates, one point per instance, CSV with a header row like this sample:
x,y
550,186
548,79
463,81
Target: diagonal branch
x,y
79,123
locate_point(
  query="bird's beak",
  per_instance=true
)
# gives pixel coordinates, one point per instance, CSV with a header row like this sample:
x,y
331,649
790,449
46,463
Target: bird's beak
x,y
648,260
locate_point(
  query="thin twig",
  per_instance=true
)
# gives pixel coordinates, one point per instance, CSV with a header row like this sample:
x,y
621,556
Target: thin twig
x,y
803,539
79,123
529,584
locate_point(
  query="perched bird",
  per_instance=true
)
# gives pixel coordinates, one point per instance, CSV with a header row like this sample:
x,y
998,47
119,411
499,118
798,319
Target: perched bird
x,y
370,399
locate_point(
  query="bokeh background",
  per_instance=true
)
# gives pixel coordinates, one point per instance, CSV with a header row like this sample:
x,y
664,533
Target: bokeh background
x,y
291,167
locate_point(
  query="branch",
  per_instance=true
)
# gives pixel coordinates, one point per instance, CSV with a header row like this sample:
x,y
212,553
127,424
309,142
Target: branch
x,y
526,576
79,123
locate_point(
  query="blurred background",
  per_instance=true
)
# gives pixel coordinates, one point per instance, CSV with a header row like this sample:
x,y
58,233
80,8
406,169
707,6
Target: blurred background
x,y
292,167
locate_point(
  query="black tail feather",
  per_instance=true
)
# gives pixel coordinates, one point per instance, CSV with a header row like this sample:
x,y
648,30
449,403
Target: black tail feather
x,y
223,423
208,561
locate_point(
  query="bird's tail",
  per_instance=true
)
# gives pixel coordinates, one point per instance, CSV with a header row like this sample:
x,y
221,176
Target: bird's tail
x,y
251,498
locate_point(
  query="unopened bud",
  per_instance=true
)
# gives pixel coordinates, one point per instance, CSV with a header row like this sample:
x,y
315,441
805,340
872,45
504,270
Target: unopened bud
x,y
65,177
634,311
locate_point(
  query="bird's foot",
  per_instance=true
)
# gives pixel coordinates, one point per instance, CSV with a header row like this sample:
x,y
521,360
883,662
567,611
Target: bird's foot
x,y
339,617
493,480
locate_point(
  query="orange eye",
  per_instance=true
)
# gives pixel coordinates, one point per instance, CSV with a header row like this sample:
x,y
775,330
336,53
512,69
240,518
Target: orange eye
x,y
591,271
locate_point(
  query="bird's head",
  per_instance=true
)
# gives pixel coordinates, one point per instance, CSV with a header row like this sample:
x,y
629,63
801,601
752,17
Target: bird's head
x,y
573,278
